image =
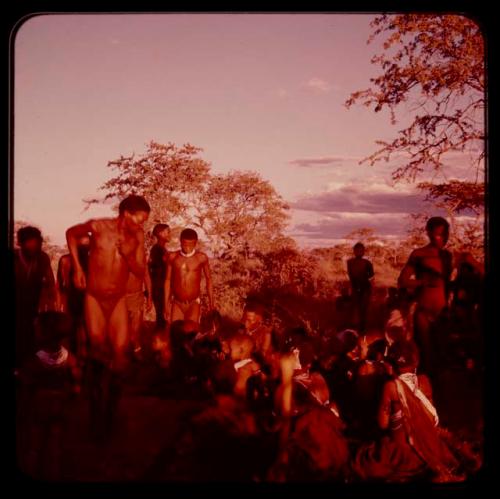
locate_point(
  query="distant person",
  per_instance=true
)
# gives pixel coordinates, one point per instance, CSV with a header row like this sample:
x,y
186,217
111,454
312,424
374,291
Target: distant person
x,y
48,380
35,288
116,250
158,257
183,280
428,272
360,271
72,298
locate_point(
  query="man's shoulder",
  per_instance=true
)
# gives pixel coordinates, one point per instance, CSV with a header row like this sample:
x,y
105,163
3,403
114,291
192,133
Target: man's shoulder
x,y
201,256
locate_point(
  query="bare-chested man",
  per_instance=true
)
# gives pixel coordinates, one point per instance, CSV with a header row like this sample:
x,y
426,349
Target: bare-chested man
x,y
183,280
431,267
116,250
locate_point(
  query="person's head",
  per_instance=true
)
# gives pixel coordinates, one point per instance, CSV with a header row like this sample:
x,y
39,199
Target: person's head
x,y
438,231
189,240
162,233
29,240
134,210
349,341
51,328
403,355
394,333
253,316
376,350
241,346
359,250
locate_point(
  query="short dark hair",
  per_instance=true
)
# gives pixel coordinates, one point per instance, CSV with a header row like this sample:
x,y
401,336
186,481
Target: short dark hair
x,y
255,307
403,353
132,204
435,222
26,233
189,235
159,228
359,245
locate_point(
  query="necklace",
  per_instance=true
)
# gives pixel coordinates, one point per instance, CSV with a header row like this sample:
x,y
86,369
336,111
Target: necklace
x,y
188,255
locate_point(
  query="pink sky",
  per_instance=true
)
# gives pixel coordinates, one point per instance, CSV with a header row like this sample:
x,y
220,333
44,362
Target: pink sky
x,y
256,92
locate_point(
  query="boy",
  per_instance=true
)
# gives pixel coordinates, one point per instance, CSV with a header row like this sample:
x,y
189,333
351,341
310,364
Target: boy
x,y
183,280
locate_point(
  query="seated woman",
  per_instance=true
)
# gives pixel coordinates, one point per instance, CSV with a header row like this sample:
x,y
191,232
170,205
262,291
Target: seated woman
x,y
412,447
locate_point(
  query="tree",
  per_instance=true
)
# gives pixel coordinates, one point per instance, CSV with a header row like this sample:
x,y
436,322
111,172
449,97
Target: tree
x,y
437,63
170,177
237,213
241,214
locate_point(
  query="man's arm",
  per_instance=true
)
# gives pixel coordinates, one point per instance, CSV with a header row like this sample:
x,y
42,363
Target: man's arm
x,y
167,285
49,283
64,272
405,279
73,235
149,286
384,410
370,272
208,278
136,260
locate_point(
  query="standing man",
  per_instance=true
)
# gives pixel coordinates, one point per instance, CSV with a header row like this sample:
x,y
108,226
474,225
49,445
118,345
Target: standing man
x,y
428,272
116,251
158,257
183,280
35,288
360,271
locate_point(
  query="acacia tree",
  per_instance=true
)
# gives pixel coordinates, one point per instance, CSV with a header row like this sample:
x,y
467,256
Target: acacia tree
x,y
241,214
169,176
435,62
237,213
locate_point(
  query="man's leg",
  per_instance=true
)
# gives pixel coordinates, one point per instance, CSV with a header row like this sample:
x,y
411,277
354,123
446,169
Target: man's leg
x,y
177,312
422,336
119,338
193,313
159,303
98,359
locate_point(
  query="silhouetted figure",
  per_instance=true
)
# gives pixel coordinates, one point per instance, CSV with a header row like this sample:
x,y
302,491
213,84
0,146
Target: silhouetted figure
x,y
360,272
158,257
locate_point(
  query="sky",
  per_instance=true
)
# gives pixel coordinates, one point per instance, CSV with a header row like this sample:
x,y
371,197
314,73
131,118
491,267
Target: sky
x,y
260,92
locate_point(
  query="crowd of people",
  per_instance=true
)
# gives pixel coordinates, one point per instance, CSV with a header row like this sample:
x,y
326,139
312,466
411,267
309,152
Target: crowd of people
x,y
278,405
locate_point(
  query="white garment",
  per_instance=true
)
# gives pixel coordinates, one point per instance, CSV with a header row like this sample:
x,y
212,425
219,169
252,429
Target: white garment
x,y
53,358
238,365
411,381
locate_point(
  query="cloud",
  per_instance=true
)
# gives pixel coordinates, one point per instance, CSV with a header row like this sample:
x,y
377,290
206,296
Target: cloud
x,y
363,198
318,85
338,226
306,162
